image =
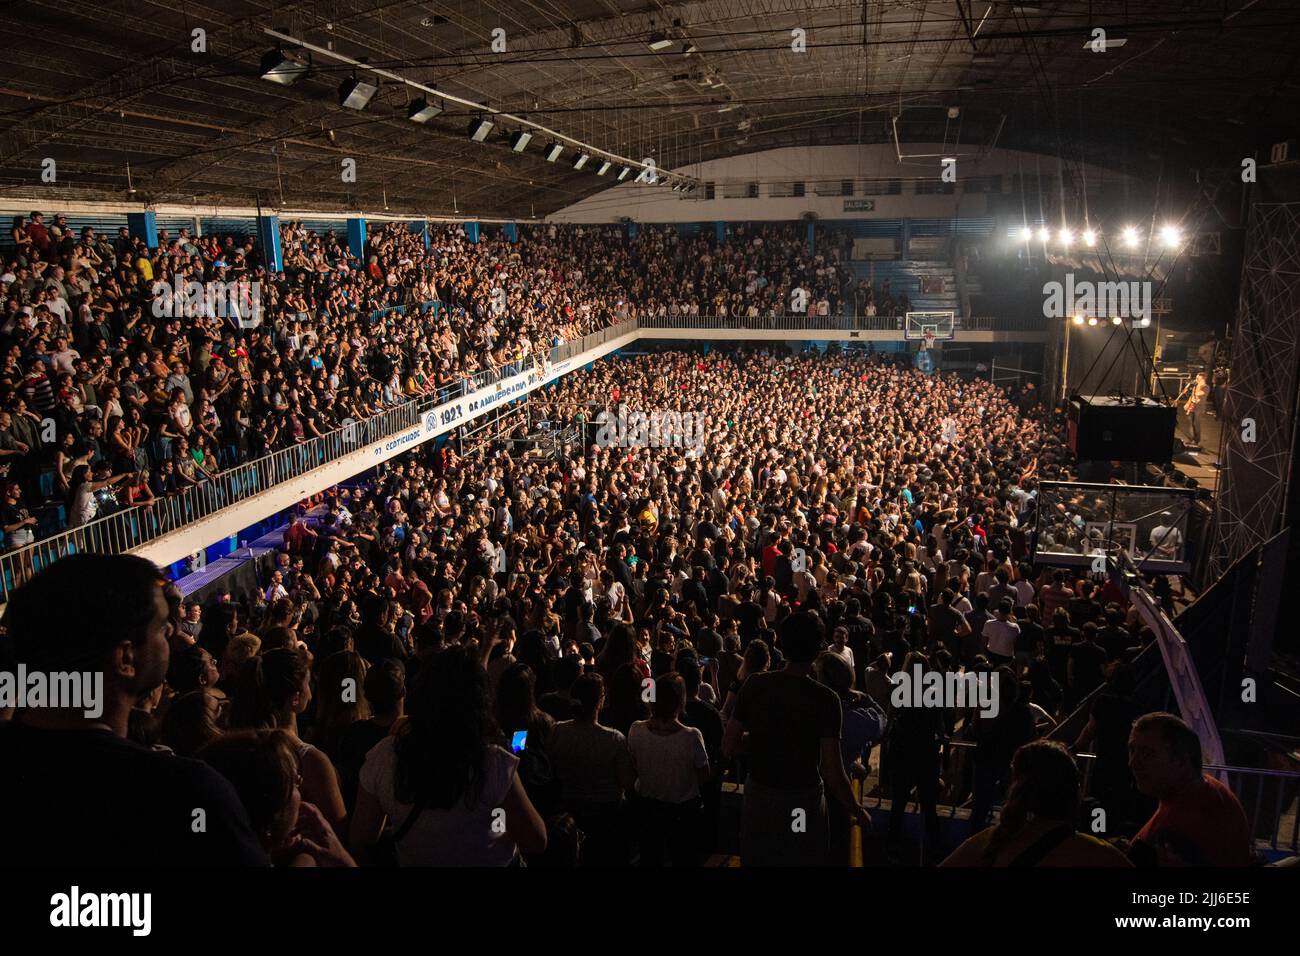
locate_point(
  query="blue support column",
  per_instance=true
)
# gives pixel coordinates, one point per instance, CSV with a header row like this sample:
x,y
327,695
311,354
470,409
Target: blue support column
x,y
720,230
471,231
511,231
907,238
631,230
268,238
357,237
812,240
143,225
424,231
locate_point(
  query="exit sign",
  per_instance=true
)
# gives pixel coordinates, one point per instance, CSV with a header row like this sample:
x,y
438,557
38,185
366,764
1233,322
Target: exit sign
x,y
859,205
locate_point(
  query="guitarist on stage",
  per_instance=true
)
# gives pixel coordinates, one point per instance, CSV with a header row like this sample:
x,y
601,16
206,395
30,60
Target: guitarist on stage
x,y
1196,391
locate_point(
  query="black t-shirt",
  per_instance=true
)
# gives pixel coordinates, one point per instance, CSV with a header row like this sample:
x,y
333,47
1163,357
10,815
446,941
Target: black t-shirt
x,y
88,798
705,718
1089,664
787,717
350,754
13,514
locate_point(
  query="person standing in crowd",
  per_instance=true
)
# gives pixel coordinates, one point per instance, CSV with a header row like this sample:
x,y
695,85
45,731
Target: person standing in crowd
x,y
142,814
788,726
671,766
451,794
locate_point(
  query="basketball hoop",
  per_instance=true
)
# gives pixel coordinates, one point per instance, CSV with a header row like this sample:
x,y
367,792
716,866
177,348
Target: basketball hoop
x,y
927,340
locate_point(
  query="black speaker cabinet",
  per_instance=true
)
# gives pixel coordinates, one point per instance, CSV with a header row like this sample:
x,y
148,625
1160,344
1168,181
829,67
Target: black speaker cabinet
x,y
1108,428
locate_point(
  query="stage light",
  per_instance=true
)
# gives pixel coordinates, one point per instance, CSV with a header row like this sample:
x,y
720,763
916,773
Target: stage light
x,y
519,141
581,160
1144,322
1130,237
1092,320
1066,237
624,172
421,110
1027,233
677,187
356,94
1089,238
1117,321
658,42
479,128
728,108
283,68
552,152
1044,234
690,48
605,167
1171,236
1078,320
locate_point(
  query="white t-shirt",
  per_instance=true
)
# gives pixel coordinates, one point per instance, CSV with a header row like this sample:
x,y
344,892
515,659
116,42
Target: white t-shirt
x,y
461,836
1001,636
666,763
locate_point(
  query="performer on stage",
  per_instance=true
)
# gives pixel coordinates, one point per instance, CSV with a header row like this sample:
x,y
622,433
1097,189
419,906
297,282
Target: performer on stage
x,y
1196,391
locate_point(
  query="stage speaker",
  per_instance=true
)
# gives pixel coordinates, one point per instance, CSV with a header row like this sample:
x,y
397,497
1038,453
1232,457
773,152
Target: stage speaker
x,y
1109,428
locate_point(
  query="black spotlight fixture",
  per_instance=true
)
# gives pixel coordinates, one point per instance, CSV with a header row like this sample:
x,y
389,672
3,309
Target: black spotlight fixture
x,y
421,110
552,152
479,128
581,160
519,141
285,68
604,167
356,94
624,172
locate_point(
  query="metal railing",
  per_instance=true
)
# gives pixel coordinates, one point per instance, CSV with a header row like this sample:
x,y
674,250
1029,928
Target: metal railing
x,y
136,525
833,323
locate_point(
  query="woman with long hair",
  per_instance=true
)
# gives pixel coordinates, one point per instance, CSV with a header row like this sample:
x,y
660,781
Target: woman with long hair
x,y
263,769
341,699
452,795
1039,819
271,691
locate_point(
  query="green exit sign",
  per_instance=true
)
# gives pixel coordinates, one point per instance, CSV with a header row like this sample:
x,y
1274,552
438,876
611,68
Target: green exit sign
x,y
859,205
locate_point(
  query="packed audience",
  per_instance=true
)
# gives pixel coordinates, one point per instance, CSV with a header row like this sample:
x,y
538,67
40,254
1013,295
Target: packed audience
x,y
112,396
488,656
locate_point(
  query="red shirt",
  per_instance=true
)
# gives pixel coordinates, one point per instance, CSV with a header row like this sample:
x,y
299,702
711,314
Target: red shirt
x,y
1207,818
770,554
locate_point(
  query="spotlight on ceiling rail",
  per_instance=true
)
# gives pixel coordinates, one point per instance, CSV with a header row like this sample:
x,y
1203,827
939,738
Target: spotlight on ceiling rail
x,y
421,110
356,94
284,67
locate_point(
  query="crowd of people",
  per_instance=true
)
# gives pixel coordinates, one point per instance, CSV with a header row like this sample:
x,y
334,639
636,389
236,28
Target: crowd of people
x,y
116,391
488,656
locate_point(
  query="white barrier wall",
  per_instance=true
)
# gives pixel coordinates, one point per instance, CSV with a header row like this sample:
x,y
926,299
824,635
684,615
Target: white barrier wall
x,y
437,421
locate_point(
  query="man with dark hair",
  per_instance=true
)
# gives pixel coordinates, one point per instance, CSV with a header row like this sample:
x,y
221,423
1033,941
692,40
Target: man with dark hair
x,y
1199,821
77,793
789,726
